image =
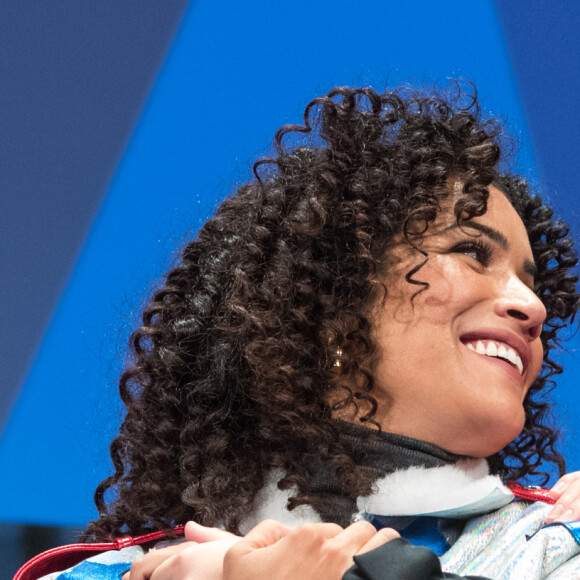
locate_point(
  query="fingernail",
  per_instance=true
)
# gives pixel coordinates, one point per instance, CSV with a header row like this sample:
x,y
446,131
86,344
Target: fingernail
x,y
557,510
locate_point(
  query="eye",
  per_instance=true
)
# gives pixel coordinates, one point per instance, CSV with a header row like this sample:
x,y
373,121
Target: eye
x,y
476,249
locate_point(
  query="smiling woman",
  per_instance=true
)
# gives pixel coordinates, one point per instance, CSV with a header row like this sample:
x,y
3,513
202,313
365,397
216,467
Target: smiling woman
x,y
363,332
476,310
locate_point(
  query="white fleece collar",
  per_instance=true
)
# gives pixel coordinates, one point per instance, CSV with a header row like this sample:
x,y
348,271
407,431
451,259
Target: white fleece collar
x,y
270,504
459,490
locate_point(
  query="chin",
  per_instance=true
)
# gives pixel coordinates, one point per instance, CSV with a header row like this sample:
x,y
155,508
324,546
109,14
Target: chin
x,y
497,440
489,438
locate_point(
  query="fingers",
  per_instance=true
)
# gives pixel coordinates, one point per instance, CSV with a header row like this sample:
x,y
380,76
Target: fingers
x,y
257,540
263,535
563,483
383,536
352,538
197,562
357,538
566,492
362,537
320,551
142,568
195,532
272,550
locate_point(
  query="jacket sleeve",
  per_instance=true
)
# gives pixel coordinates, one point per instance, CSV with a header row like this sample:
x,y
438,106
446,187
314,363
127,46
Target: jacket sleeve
x,y
399,560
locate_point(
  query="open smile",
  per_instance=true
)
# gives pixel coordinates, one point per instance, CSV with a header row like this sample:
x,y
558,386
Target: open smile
x,y
496,349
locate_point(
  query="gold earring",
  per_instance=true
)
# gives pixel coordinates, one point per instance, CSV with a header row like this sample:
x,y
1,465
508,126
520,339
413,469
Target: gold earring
x,y
338,355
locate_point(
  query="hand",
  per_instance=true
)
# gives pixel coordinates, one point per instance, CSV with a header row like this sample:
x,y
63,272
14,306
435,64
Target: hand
x,y
314,551
566,492
201,557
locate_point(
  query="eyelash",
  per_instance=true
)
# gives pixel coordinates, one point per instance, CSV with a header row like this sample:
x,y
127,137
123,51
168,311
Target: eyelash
x,y
482,250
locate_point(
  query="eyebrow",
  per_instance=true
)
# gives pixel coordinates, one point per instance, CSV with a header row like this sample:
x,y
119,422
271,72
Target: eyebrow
x,y
495,235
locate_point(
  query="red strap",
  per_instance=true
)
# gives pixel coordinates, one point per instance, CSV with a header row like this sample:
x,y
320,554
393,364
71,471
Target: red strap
x,y
530,493
64,557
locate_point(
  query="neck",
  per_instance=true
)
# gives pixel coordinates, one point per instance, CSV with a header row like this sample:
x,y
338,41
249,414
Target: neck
x,y
376,454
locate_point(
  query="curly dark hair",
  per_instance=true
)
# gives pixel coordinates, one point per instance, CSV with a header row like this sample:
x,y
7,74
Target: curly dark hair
x,y
231,373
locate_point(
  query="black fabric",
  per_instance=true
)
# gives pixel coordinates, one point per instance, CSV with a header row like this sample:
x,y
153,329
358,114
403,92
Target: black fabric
x,y
399,560
377,454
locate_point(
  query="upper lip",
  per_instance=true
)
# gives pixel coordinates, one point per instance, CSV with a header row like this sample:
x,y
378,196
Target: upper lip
x,y
499,335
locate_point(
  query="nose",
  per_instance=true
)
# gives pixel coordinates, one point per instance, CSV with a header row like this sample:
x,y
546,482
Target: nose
x,y
520,303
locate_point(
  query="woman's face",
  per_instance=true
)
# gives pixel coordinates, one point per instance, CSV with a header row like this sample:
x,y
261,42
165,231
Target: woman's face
x,y
456,363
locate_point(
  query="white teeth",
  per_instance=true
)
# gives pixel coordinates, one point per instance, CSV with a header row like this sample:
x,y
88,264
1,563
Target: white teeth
x,y
491,349
498,350
514,358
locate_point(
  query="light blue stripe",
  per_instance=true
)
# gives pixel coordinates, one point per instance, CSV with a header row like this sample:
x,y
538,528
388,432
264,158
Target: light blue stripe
x,y
95,571
574,529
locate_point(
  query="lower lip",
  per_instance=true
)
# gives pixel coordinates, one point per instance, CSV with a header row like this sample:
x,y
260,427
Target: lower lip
x,y
502,364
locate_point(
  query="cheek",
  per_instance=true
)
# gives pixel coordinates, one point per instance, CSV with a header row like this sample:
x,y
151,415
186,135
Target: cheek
x,y
537,357
412,309
451,290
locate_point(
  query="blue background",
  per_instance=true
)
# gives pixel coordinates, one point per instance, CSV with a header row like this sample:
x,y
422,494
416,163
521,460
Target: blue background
x,y
122,126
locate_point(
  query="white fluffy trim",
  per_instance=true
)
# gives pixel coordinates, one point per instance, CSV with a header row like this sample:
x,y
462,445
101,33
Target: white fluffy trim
x,y
460,490
270,504
464,488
